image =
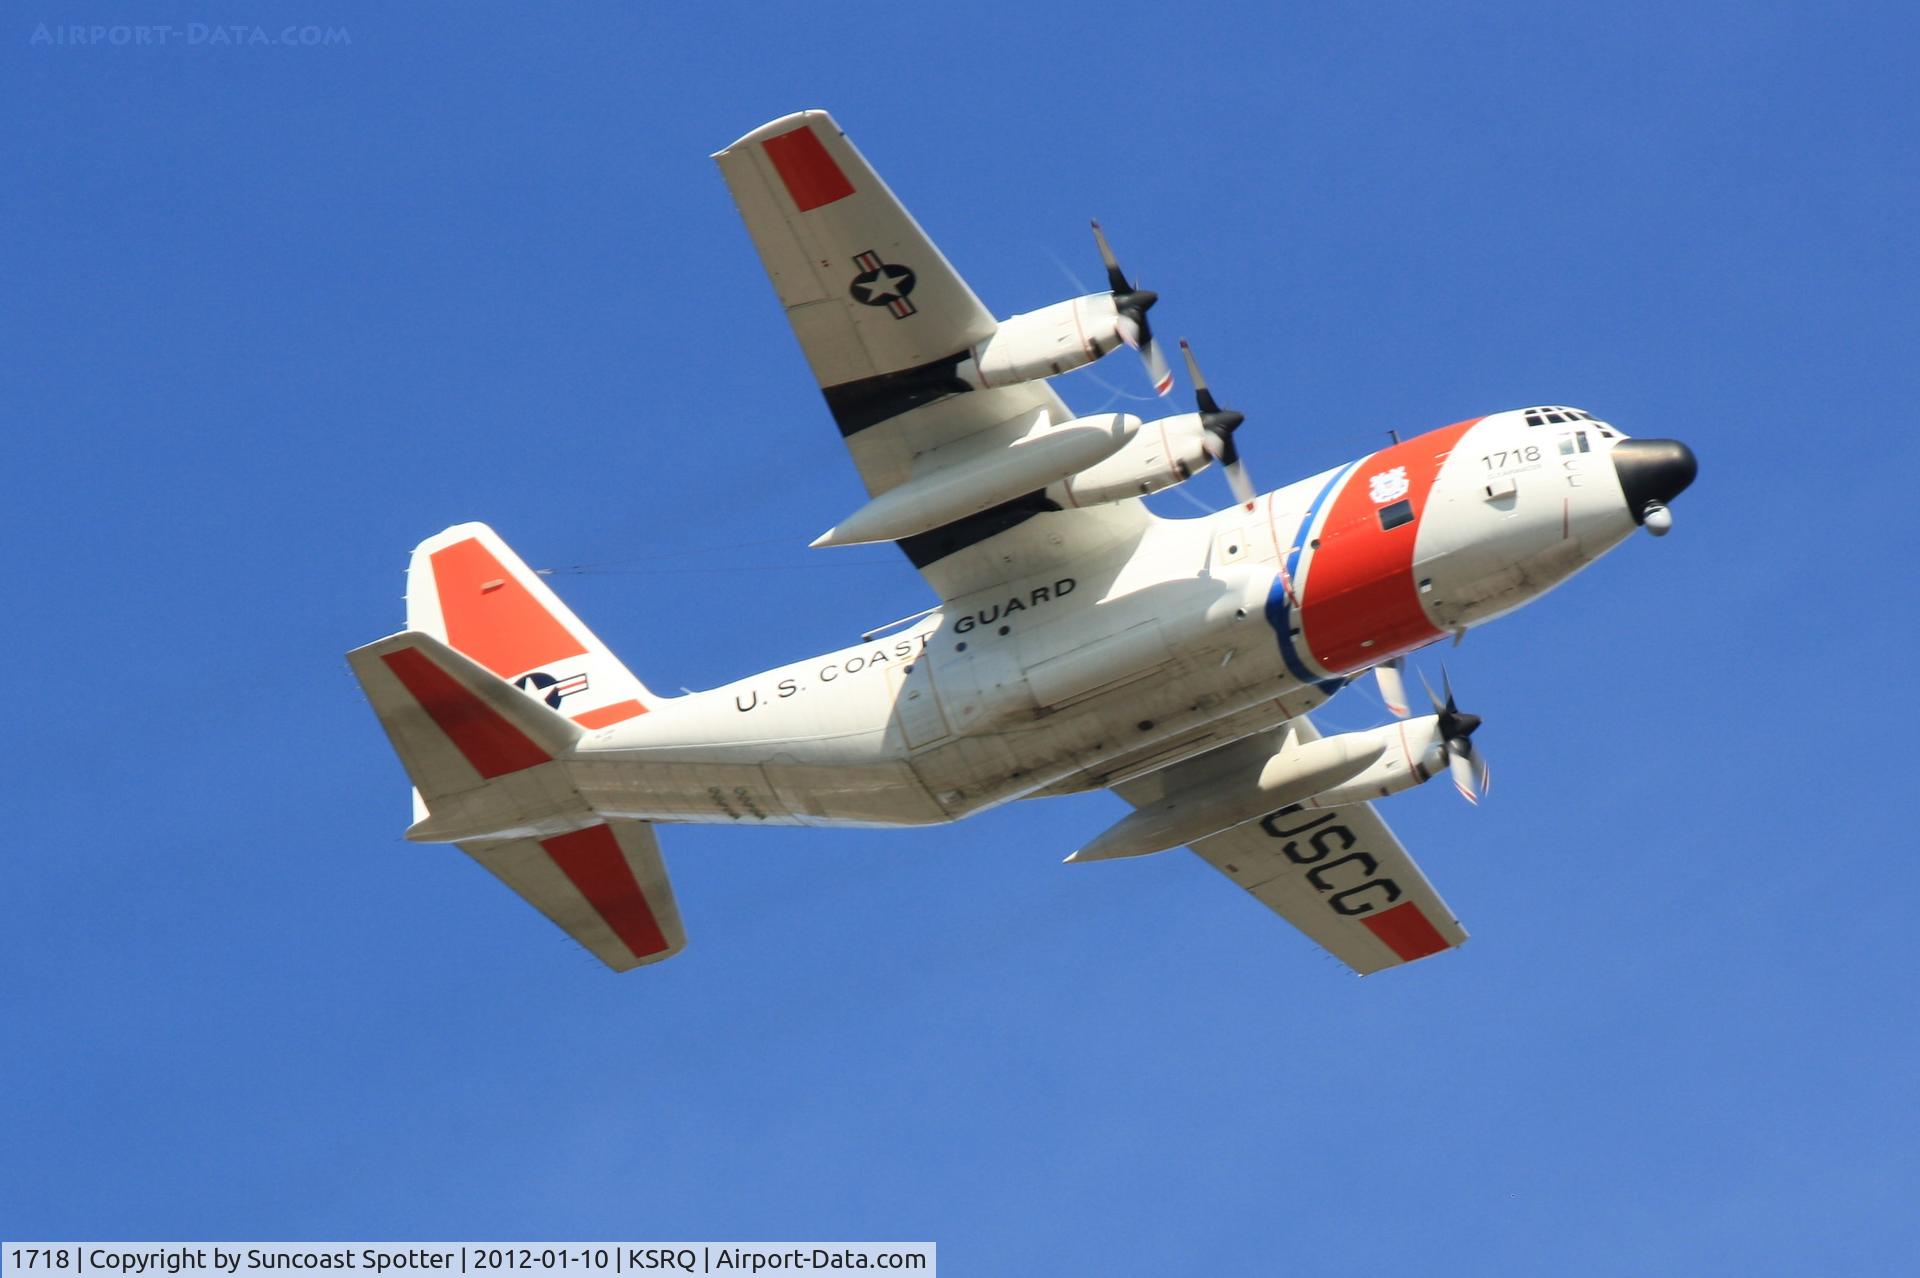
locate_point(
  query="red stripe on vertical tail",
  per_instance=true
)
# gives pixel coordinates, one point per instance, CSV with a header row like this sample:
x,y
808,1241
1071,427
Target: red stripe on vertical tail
x,y
491,617
490,743
1406,931
1359,603
592,860
811,176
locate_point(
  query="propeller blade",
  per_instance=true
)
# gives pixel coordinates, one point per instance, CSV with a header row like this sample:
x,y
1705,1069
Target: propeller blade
x,y
1469,771
1156,363
1202,393
1219,425
1460,763
1116,278
1131,323
1391,676
1240,482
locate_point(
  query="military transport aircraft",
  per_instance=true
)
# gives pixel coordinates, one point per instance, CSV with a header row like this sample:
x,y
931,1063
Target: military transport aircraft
x,y
1081,641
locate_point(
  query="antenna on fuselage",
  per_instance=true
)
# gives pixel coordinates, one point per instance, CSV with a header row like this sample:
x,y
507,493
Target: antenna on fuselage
x,y
881,630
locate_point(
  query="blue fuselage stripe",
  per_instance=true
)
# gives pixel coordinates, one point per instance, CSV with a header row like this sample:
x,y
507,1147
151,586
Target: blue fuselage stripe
x,y
1280,610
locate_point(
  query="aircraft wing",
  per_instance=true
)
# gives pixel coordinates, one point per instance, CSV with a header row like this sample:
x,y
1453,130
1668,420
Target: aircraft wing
x,y
1337,874
886,322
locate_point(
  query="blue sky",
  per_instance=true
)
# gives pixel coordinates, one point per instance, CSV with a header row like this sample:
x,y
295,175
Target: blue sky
x,y
272,315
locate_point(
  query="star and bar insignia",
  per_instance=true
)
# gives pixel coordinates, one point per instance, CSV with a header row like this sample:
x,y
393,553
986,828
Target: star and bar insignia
x,y
880,284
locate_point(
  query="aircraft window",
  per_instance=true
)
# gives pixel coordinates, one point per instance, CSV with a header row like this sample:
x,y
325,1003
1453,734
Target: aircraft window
x,y
1574,443
1557,414
1401,512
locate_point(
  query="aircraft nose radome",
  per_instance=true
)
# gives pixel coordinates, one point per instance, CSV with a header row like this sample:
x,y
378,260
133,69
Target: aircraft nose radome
x,y
1653,472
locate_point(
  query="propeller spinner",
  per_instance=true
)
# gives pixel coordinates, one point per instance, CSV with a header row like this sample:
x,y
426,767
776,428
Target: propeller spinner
x,y
1133,305
1219,425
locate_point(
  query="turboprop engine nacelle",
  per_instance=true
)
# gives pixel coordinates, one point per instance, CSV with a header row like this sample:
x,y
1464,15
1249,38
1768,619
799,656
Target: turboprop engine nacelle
x,y
1333,770
1161,454
1414,753
1053,339
949,488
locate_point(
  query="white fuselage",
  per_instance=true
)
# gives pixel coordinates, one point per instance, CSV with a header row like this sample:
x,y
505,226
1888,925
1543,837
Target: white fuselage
x,y
1203,631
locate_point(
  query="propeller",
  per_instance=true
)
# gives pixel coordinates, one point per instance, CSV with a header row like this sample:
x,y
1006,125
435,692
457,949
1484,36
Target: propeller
x,y
1219,425
1133,304
1469,770
1391,676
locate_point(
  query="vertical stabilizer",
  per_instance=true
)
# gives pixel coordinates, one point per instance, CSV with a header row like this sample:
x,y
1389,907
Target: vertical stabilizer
x,y
466,587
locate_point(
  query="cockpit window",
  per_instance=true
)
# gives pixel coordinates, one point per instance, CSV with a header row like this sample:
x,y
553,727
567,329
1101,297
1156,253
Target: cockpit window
x,y
1554,415
1574,443
1401,512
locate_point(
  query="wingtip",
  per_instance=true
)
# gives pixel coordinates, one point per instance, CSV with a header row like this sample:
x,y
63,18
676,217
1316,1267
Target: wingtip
x,y
781,124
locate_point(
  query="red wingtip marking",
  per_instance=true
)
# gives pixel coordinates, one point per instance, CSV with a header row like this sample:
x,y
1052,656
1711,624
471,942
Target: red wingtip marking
x,y
811,176
615,713
490,743
1406,931
592,860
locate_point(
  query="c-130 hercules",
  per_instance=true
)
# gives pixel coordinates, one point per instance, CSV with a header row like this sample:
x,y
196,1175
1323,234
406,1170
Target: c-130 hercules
x,y
1080,641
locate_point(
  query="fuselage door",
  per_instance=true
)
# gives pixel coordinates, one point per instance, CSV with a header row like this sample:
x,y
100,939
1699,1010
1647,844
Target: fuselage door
x,y
916,703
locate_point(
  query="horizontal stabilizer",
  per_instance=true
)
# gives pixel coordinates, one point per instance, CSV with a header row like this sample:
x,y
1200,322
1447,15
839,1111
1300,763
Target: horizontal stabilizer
x,y
605,885
454,725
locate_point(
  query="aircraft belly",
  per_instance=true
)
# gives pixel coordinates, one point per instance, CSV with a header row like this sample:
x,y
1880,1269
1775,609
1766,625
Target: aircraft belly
x,y
1176,712
941,722
879,793
663,790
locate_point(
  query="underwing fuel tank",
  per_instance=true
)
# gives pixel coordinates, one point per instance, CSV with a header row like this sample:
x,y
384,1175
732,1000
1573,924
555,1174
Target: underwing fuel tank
x,y
1353,767
955,489
1299,771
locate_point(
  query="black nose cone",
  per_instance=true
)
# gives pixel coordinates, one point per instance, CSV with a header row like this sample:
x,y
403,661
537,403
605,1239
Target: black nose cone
x,y
1653,472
